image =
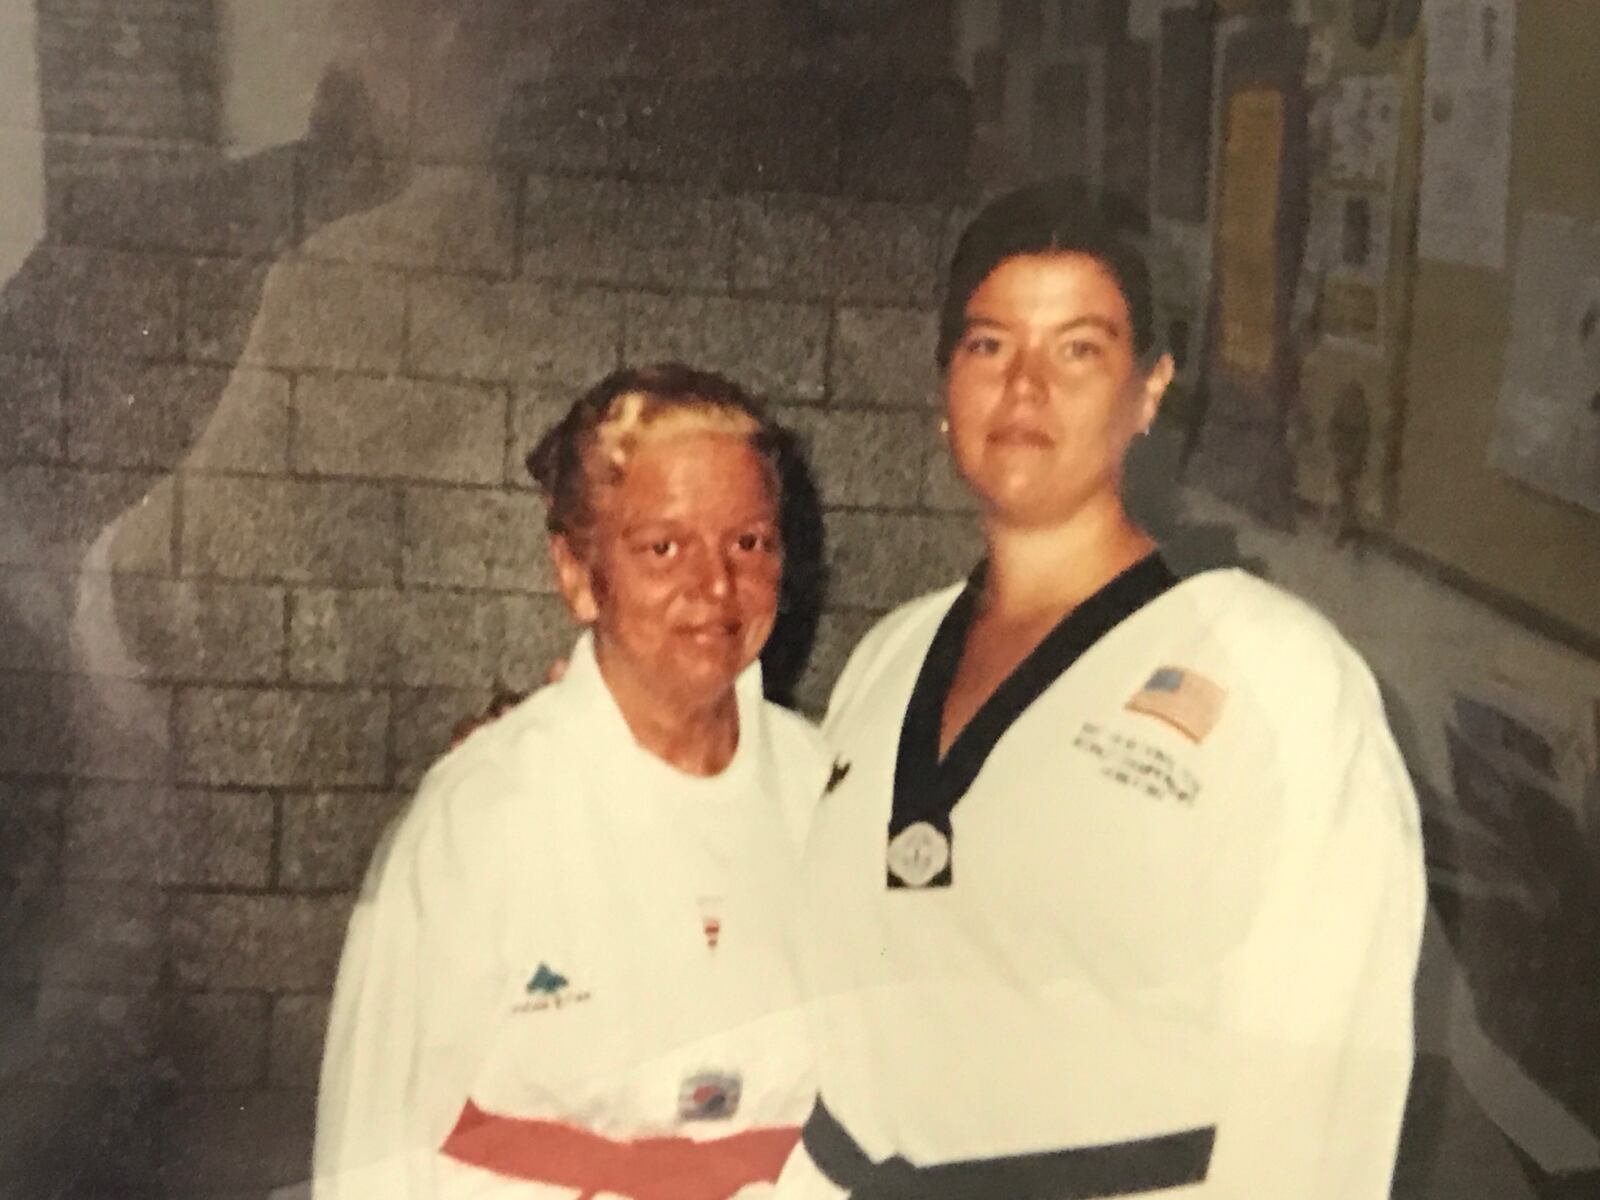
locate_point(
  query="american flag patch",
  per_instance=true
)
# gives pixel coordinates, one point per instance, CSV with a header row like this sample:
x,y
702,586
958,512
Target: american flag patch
x,y
1187,701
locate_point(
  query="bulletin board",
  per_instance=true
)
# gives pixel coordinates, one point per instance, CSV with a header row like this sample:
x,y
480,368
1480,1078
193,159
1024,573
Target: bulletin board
x,y
1258,227
1353,302
1453,506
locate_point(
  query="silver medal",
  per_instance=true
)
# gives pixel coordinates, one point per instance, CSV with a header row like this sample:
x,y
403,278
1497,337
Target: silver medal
x,y
918,853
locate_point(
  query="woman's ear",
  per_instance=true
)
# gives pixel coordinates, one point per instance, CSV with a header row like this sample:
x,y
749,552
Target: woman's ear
x,y
1156,381
575,579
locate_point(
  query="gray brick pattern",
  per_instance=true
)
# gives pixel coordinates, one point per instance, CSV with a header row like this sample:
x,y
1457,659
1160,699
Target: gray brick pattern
x,y
127,833
448,219
884,356
214,1041
31,422
385,636
37,604
638,235
236,1143
81,300
281,738
167,202
105,935
397,428
119,415
82,1036
475,538
327,315
862,458
296,530
521,331
56,514
778,350
299,1024
328,837
830,248
183,629
288,943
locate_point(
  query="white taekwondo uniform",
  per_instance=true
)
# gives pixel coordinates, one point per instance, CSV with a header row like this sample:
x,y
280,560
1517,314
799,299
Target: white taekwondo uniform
x,y
1177,904
569,973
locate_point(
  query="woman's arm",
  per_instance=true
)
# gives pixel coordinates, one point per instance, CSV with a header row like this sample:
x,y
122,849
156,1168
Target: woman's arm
x,y
418,996
1321,1029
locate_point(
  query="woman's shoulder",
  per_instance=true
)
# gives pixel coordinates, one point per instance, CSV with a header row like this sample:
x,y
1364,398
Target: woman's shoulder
x,y
795,735
906,628
499,772
906,623
1244,607
1281,642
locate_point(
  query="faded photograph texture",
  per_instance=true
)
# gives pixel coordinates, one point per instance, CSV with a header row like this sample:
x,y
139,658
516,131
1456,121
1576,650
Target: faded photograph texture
x,y
288,289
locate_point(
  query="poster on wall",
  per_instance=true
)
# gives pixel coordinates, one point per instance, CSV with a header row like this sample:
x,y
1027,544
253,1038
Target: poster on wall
x,y
1247,244
1342,292
1466,148
1348,250
1363,121
1547,429
1340,434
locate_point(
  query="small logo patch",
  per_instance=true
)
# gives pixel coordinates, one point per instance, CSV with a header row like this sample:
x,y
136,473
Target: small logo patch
x,y
549,989
1185,700
708,1096
836,776
711,919
545,980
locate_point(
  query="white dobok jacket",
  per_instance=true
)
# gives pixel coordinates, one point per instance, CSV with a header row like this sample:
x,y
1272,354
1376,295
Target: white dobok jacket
x,y
1178,905
568,974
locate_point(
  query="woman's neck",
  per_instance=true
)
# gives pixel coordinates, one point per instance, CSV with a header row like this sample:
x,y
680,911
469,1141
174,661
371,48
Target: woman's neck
x,y
1044,571
696,739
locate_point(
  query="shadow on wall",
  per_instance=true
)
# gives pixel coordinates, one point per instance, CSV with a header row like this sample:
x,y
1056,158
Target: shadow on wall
x,y
805,577
98,1048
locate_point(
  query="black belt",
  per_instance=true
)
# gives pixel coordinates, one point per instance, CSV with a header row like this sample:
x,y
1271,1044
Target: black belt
x,y
1076,1173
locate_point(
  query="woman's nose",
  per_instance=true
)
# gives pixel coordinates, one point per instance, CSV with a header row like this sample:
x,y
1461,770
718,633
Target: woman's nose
x,y
1025,374
716,574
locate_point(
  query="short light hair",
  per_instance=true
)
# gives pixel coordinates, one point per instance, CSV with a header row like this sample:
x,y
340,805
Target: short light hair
x,y
589,448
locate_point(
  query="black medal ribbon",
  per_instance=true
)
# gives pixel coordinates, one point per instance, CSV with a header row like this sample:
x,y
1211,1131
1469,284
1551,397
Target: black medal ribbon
x,y
926,788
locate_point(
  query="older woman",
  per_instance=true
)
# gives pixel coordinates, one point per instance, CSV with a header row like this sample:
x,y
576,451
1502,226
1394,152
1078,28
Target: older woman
x,y
567,974
1122,891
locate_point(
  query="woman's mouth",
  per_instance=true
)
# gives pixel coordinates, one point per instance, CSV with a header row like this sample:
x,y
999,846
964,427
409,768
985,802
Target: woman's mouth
x,y
1021,435
712,633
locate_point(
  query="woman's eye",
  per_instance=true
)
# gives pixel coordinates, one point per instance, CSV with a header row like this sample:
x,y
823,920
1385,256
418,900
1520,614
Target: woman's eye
x,y
1080,350
982,345
661,548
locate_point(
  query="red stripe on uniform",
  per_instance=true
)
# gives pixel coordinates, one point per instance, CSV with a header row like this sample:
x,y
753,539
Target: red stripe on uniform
x,y
656,1168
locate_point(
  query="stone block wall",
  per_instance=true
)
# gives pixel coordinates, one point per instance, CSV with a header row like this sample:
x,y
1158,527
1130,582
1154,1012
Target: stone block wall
x,y
265,533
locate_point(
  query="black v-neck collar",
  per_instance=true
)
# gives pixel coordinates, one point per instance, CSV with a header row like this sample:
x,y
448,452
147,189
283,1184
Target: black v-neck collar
x,y
927,788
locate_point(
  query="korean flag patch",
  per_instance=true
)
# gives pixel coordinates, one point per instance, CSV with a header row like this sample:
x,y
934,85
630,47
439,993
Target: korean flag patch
x,y
708,1096
1184,699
